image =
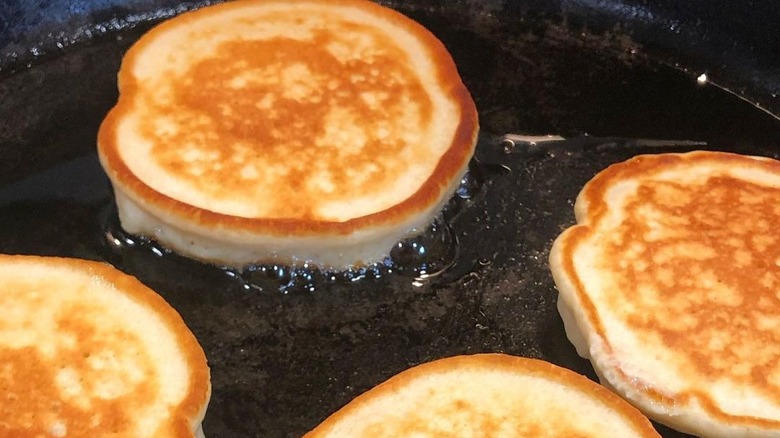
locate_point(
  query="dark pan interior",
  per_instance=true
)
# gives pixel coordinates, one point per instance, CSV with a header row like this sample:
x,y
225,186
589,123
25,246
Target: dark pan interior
x,y
288,349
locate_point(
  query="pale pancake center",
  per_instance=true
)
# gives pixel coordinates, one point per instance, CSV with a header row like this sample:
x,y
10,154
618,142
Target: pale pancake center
x,y
485,404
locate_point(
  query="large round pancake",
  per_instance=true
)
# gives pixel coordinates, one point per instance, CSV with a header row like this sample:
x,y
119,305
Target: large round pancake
x,y
86,350
486,395
287,131
669,285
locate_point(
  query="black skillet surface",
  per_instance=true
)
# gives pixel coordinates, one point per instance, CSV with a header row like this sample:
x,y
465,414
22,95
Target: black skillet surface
x,y
286,351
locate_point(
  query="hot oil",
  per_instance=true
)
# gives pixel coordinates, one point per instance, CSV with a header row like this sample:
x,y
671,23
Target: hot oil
x,y
425,258
419,260
283,361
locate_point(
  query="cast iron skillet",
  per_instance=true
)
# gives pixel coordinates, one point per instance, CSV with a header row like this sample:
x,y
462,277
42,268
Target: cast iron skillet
x,y
287,349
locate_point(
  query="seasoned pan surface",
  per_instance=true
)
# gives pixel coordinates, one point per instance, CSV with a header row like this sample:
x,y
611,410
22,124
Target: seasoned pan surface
x,y
287,349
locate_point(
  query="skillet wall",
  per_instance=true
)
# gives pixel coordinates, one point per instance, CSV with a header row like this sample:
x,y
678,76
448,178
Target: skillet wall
x,y
740,41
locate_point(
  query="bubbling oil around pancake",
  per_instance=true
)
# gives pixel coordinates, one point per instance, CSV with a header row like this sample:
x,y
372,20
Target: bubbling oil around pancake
x,y
425,258
420,259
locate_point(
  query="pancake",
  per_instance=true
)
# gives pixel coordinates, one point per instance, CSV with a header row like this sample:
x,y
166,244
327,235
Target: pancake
x,y
296,132
486,395
87,351
669,284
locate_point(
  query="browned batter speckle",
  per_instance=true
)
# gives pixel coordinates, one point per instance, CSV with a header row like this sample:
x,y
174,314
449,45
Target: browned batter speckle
x,y
273,101
704,276
33,402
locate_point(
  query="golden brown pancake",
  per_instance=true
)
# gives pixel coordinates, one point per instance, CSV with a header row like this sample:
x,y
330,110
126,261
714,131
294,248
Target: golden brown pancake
x,y
305,131
87,351
486,395
670,285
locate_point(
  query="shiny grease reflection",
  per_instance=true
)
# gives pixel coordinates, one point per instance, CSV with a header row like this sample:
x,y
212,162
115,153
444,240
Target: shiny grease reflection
x,y
423,259
419,259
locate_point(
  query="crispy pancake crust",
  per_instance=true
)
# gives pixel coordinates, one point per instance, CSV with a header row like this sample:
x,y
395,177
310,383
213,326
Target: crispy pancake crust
x,y
486,395
669,285
75,357
350,197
